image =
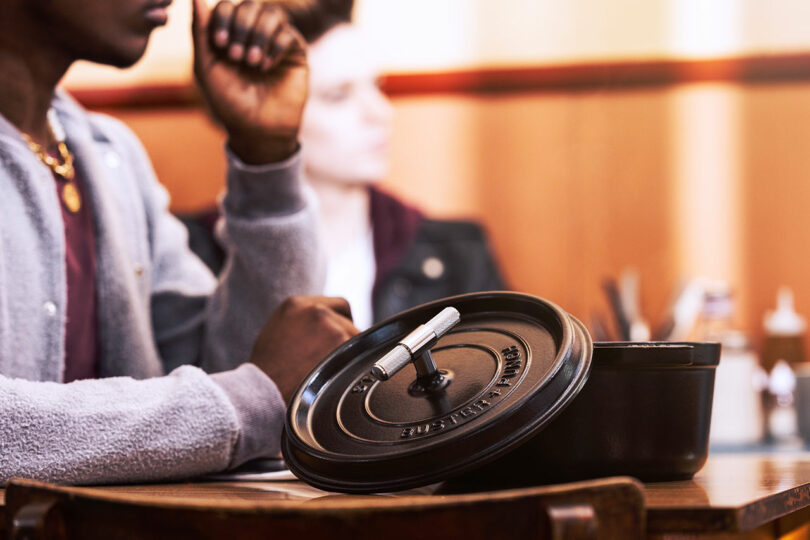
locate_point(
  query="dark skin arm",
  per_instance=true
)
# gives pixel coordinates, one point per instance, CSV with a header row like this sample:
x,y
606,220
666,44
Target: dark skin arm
x,y
250,65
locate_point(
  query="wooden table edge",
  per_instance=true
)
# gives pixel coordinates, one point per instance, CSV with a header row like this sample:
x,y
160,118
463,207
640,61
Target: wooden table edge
x,y
754,514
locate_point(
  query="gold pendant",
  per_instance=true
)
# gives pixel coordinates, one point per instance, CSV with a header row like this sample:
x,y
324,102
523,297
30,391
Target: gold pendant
x,y
71,197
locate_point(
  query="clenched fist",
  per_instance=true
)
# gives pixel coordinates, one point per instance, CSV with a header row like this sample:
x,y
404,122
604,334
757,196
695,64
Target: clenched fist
x,y
250,64
299,334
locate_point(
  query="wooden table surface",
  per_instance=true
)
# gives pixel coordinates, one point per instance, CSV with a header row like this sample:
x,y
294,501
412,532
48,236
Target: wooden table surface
x,y
732,493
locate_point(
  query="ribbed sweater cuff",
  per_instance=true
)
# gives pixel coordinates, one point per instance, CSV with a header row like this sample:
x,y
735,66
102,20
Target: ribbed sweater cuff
x,y
257,191
260,411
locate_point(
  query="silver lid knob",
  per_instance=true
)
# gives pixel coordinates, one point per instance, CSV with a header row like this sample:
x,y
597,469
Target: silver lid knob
x,y
412,347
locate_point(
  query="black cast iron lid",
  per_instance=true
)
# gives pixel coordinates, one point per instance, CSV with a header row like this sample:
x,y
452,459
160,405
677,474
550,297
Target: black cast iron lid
x,y
510,365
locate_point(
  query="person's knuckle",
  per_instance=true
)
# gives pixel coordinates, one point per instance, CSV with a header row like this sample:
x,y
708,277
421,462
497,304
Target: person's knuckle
x,y
285,37
224,6
270,24
275,11
272,11
329,330
335,335
321,313
246,5
244,18
291,304
259,34
346,335
222,13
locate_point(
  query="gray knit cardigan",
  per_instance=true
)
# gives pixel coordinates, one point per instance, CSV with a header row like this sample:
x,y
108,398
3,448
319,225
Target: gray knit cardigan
x,y
163,319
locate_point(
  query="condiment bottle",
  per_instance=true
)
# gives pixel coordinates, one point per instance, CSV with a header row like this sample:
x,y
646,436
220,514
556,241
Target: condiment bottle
x,y
737,418
784,333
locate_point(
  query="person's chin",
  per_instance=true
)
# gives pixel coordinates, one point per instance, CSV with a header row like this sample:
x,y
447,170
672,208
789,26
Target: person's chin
x,y
361,180
124,56
372,174
370,181
347,181
371,167
128,60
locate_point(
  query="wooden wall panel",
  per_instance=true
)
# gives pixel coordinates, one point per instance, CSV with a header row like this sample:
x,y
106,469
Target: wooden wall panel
x,y
435,150
777,195
572,186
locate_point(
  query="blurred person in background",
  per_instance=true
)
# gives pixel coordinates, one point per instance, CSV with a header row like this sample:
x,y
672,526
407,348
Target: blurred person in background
x,y
98,288
383,255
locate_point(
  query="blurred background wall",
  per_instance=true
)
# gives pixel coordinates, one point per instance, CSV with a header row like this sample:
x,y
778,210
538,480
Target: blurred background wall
x,y
672,136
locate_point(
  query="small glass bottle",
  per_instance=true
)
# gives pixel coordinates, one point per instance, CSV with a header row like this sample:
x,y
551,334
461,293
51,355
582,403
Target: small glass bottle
x,y
782,427
782,352
784,333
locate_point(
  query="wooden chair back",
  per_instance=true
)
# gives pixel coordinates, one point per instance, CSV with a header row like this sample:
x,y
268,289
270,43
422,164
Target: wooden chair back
x,y
607,508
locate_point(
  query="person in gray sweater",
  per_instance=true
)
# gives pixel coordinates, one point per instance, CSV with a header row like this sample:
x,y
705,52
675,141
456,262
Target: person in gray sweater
x,y
122,358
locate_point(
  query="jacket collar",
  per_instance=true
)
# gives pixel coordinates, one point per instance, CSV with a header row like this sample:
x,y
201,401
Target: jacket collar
x,y
123,320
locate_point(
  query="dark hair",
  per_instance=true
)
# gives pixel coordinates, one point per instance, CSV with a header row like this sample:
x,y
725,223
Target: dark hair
x,y
316,17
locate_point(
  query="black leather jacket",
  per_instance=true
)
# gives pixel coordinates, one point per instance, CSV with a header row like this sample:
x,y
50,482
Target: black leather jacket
x,y
445,258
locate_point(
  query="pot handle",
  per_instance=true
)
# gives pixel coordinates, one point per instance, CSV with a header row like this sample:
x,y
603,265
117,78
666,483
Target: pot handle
x,y
35,520
572,521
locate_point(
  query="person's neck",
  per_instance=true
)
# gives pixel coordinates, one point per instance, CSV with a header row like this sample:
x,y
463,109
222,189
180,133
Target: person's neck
x,y
344,212
30,76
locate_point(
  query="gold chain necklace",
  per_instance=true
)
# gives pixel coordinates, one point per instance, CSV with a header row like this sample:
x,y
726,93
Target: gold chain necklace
x,y
63,166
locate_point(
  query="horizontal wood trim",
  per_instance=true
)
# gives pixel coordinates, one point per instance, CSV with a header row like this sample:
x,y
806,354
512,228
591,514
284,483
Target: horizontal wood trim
x,y
604,75
617,75
134,97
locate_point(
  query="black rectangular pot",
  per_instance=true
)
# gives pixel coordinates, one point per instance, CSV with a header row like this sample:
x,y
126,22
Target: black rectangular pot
x,y
645,412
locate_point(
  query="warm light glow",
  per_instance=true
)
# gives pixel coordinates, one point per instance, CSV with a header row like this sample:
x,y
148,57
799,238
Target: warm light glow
x,y
425,35
700,28
707,157
420,34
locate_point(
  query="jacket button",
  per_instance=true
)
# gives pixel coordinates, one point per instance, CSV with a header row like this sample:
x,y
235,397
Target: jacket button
x,y
50,308
138,270
433,267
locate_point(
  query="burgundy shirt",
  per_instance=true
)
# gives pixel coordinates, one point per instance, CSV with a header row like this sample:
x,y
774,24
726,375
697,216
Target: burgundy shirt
x,y
81,344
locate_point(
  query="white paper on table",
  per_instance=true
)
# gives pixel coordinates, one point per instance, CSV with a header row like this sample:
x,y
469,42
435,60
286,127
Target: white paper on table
x,y
257,470
271,476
